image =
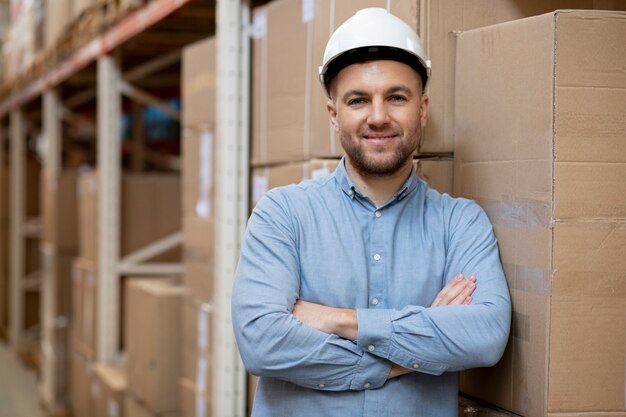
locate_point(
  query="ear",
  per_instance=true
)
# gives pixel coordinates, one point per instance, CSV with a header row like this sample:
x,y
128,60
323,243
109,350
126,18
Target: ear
x,y
332,112
424,110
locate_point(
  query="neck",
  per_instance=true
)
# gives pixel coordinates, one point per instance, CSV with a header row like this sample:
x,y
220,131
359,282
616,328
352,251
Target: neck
x,y
379,188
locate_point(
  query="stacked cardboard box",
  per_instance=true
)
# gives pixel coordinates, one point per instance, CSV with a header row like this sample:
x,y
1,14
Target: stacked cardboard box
x,y
112,386
58,15
197,366
153,309
289,117
150,210
58,248
199,182
540,133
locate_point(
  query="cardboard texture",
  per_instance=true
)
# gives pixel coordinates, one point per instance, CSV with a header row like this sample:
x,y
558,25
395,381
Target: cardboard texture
x,y
84,387
54,383
441,21
193,402
151,210
437,172
153,333
112,386
289,117
197,339
198,85
134,408
58,13
59,210
84,307
198,174
540,134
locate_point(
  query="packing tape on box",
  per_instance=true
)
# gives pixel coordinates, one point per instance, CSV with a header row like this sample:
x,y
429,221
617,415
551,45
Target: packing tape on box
x,y
518,213
113,408
259,32
204,203
260,185
203,329
202,366
200,405
533,280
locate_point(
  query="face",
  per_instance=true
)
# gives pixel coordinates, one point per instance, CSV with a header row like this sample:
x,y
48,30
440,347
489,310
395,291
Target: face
x,y
378,111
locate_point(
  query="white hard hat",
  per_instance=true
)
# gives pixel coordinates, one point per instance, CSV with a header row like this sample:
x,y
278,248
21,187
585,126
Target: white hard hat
x,y
373,33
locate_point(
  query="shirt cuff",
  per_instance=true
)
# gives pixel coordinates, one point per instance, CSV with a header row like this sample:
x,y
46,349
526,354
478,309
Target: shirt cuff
x,y
372,373
374,334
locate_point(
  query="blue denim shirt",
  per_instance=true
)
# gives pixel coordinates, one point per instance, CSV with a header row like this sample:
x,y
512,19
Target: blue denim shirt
x,y
323,241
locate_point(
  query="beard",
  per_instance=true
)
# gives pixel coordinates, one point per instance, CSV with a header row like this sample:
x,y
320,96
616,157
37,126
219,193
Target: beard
x,y
378,163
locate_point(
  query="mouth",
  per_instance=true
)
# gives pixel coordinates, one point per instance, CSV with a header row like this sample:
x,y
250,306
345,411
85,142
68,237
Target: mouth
x,y
379,138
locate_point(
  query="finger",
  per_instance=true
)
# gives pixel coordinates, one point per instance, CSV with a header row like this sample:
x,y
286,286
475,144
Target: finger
x,y
467,291
443,294
451,293
468,300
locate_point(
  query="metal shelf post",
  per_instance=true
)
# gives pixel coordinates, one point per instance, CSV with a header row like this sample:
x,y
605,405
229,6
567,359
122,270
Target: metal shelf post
x,y
109,171
229,397
17,217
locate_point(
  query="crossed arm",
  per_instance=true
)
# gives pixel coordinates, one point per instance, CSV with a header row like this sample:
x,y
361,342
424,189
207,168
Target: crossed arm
x,y
343,321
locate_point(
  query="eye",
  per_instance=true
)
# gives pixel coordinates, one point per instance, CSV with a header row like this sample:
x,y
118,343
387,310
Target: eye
x,y
356,101
397,98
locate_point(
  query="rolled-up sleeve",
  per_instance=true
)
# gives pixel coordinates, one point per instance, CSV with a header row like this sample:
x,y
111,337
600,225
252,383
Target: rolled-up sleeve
x,y
434,340
271,341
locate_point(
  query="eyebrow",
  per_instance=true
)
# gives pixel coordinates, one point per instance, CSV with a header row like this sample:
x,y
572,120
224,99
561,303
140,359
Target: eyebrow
x,y
390,90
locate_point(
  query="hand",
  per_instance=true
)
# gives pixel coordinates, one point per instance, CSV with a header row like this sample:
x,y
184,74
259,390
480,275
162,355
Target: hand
x,y
458,291
332,320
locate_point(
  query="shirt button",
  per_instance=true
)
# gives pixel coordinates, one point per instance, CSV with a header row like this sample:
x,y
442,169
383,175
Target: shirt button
x,y
377,213
376,257
371,348
366,385
416,365
375,301
351,193
321,385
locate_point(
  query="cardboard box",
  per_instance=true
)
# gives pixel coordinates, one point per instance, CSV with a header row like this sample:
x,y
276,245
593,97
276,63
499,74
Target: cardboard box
x,y
84,387
150,210
88,215
59,210
289,117
112,385
197,338
198,174
54,377
193,402
198,85
84,308
540,145
58,13
198,279
153,318
441,21
437,172
134,408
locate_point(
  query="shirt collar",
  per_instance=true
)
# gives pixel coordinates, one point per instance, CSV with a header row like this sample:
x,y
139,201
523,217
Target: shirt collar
x,y
348,187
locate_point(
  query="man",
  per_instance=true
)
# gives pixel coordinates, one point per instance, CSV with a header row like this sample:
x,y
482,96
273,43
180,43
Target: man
x,y
364,292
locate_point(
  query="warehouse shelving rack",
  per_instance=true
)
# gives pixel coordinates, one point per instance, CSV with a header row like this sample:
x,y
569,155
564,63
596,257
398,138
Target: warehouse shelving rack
x,y
111,82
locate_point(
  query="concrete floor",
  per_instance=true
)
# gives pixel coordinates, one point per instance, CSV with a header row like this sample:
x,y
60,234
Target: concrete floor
x,y
19,393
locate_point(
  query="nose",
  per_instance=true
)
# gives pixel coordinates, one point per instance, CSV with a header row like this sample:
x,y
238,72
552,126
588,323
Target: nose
x,y
378,115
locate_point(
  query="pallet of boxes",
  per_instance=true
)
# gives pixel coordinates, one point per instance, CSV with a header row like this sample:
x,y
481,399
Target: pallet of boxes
x,y
141,384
